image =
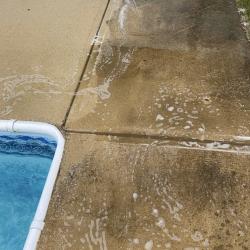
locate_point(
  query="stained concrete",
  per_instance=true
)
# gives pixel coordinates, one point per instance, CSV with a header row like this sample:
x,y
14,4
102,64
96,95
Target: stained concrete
x,y
176,69
243,7
115,194
43,48
169,68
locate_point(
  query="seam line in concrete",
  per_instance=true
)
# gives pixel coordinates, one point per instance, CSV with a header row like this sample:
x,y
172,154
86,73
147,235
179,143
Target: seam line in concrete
x,y
84,67
160,138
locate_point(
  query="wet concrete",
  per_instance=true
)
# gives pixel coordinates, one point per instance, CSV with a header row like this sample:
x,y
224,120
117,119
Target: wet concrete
x,y
244,11
43,48
116,195
168,68
176,69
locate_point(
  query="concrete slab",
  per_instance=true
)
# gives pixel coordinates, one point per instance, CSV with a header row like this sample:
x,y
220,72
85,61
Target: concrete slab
x,y
122,193
244,11
169,68
43,47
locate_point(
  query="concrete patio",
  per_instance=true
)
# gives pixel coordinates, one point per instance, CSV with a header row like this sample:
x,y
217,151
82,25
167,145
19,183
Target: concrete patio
x,y
153,98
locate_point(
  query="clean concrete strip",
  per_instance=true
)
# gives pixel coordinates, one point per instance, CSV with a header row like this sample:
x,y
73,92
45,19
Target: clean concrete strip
x,y
43,49
86,64
49,130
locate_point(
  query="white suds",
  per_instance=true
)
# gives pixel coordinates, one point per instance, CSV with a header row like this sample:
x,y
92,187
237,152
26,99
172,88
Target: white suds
x,y
159,117
136,241
197,236
155,212
135,196
149,245
161,223
123,16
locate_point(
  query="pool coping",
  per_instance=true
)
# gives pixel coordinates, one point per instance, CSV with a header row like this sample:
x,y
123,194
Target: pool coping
x,y
37,224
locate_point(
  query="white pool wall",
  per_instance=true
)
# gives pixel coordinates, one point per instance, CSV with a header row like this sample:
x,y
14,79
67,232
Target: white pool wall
x,y
47,130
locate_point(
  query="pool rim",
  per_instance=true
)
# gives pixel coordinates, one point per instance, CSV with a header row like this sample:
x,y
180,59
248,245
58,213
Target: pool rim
x,y
46,129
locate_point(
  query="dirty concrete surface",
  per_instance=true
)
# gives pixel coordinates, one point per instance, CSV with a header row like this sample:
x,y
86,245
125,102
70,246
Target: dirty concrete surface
x,y
151,158
170,68
177,72
115,194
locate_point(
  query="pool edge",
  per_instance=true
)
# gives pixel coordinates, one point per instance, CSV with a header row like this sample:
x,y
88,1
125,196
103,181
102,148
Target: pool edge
x,y
44,129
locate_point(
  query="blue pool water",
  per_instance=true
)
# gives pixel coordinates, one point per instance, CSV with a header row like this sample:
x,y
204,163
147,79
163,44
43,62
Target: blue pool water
x,y
24,164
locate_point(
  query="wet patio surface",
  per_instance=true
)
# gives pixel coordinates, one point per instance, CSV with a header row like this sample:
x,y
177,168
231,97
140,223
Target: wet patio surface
x,y
43,48
115,194
174,69
156,119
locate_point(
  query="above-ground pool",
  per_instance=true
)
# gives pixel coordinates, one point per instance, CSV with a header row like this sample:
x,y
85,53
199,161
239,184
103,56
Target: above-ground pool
x,y
30,157
24,164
